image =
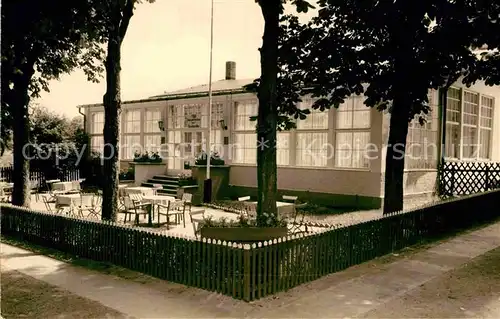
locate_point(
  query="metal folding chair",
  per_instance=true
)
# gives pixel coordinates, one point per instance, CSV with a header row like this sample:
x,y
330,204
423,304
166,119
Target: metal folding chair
x,y
298,221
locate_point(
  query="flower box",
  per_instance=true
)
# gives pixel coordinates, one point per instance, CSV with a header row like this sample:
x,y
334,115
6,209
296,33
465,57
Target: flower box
x,y
243,234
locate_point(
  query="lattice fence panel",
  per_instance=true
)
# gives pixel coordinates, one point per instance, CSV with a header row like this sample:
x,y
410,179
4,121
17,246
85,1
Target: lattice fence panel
x,y
464,178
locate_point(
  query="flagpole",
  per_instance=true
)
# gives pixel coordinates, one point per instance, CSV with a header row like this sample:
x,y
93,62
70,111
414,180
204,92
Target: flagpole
x,y
208,181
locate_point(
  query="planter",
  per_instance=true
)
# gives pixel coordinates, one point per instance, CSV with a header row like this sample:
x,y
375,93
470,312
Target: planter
x,y
219,176
146,170
243,234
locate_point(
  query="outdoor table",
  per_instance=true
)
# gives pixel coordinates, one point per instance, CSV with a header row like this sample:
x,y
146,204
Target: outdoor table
x,y
63,186
145,191
73,200
155,199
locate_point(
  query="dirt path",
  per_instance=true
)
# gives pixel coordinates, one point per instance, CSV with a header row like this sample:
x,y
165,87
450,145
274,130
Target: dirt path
x,y
471,291
26,297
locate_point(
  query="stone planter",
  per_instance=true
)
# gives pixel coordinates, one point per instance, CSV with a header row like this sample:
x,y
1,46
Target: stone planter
x,y
219,176
243,234
145,171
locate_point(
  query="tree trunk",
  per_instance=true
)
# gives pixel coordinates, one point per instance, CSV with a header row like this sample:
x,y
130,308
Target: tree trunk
x,y
19,106
112,109
268,116
395,159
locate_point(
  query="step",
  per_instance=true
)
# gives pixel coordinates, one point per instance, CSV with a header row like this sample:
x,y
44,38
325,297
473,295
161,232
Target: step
x,y
163,182
166,177
169,187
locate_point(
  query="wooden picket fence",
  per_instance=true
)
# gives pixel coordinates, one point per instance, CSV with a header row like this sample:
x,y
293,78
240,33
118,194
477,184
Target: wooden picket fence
x,y
246,272
464,178
64,174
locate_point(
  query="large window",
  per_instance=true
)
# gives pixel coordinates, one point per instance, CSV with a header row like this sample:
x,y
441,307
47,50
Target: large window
x,y
316,120
351,149
422,140
217,115
131,145
242,114
152,118
175,118
174,159
283,148
352,134
133,121
470,125
469,122
97,144
453,106
97,124
244,146
311,146
152,143
311,149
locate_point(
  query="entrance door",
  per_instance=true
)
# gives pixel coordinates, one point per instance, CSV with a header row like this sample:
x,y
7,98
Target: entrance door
x,y
193,145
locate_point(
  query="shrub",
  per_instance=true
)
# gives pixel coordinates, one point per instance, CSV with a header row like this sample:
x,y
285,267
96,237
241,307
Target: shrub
x,y
147,157
186,180
215,159
127,174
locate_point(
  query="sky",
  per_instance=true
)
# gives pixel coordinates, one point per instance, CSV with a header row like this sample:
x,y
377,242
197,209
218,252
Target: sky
x,y
167,48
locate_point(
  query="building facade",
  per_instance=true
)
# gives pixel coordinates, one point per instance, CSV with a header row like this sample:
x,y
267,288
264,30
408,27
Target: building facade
x,y
336,155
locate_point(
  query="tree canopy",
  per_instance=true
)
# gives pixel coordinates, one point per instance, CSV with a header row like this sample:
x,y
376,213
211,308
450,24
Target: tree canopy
x,y
393,52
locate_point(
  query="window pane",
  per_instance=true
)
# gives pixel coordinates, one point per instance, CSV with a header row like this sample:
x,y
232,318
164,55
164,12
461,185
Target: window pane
x,y
152,143
97,143
97,126
350,149
152,118
452,140
283,149
485,144
469,146
131,145
315,120
244,148
243,111
133,121
353,114
312,149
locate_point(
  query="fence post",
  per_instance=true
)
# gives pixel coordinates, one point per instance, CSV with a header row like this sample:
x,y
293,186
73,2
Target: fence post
x,y
246,272
452,181
487,179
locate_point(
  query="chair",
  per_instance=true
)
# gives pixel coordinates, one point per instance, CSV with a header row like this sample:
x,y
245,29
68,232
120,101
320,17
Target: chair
x,y
196,220
172,209
47,204
86,204
187,200
134,205
296,224
34,188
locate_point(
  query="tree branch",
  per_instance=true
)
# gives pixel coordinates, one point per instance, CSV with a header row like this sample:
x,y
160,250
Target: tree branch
x,y
128,12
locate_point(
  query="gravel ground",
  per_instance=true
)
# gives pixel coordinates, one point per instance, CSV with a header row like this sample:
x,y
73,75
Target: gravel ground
x,y
26,297
361,216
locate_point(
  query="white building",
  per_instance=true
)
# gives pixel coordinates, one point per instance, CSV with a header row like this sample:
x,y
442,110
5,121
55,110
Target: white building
x,y
324,156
